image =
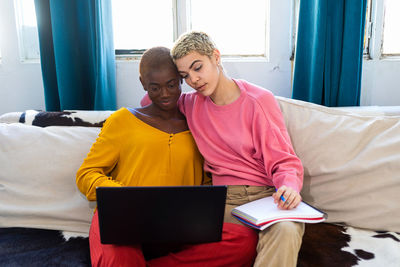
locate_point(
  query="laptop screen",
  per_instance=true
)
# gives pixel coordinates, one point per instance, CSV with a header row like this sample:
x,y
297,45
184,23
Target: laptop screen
x,y
161,214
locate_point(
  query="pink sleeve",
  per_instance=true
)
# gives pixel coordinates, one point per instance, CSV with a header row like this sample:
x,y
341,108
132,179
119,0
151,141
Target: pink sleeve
x,y
181,103
145,100
280,160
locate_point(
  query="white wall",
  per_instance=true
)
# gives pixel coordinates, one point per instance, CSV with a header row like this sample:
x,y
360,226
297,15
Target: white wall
x,y
21,85
380,83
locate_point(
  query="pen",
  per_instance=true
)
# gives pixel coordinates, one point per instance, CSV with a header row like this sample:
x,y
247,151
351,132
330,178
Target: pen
x,y
282,197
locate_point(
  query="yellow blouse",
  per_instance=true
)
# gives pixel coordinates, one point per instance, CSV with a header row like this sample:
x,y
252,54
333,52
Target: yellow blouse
x,y
129,152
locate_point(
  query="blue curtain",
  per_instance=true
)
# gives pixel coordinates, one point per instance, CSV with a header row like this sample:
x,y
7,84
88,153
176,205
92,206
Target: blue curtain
x,y
77,54
329,52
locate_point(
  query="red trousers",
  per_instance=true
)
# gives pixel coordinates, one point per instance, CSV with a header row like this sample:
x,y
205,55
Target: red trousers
x,y
237,248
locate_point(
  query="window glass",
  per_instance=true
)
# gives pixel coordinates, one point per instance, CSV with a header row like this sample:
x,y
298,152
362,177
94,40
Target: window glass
x,y
142,24
27,29
391,36
237,27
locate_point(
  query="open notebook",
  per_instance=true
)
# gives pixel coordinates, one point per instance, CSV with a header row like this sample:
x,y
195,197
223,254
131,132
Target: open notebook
x,y
264,212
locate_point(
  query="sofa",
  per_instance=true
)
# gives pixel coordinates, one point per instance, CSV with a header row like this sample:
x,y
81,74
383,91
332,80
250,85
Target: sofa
x,y
351,159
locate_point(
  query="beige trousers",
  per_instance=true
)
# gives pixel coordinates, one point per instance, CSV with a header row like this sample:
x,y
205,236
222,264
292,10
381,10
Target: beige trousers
x,y
279,244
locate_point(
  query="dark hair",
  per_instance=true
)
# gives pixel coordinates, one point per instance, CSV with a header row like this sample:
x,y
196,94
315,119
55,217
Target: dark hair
x,y
155,58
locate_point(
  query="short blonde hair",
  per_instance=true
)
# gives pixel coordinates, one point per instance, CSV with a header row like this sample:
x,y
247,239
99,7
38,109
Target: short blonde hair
x,y
196,41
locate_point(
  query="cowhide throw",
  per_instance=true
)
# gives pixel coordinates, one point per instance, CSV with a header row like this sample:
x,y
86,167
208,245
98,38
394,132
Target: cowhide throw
x,y
41,248
64,118
326,245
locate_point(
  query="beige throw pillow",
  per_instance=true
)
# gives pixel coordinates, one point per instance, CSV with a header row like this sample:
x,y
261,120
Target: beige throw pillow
x,y
351,163
37,177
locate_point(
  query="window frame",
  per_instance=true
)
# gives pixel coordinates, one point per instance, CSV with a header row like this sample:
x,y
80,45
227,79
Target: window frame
x,y
368,29
375,45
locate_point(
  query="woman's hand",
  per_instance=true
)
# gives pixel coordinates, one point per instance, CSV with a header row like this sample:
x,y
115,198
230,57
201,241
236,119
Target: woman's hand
x,y
291,196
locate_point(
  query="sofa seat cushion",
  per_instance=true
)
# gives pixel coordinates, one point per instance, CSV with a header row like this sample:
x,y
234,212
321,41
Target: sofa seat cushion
x,y
351,163
37,178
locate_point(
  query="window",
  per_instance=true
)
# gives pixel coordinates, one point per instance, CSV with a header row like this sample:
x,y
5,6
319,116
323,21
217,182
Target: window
x,y
138,25
27,29
240,30
237,27
391,36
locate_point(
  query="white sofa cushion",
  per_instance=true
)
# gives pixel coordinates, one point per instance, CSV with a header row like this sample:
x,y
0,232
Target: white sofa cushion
x,y
351,163
37,177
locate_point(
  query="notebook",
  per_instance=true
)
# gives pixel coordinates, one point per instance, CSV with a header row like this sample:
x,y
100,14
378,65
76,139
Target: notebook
x,y
263,212
161,214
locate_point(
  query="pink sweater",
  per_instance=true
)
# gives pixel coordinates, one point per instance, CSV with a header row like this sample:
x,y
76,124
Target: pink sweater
x,y
245,142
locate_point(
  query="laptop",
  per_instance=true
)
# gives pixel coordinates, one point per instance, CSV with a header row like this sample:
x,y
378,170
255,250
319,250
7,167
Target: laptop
x,y
161,214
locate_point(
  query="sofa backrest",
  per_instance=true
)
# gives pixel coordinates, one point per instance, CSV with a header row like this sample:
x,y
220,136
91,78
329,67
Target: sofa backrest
x,y
37,177
351,159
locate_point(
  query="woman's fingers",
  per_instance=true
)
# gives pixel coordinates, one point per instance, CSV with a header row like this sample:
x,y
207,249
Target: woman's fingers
x,y
292,198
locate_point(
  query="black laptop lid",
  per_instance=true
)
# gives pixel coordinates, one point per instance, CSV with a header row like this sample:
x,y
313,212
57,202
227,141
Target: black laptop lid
x,y
165,214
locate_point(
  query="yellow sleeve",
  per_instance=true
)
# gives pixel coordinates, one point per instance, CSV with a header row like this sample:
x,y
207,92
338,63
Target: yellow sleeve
x,y
100,161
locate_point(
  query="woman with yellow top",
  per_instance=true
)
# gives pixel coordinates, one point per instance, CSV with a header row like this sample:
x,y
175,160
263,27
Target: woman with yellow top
x,y
152,146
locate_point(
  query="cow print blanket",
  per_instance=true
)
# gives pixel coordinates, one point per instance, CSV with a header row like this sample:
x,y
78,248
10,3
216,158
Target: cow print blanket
x,y
58,118
334,245
41,248
324,245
